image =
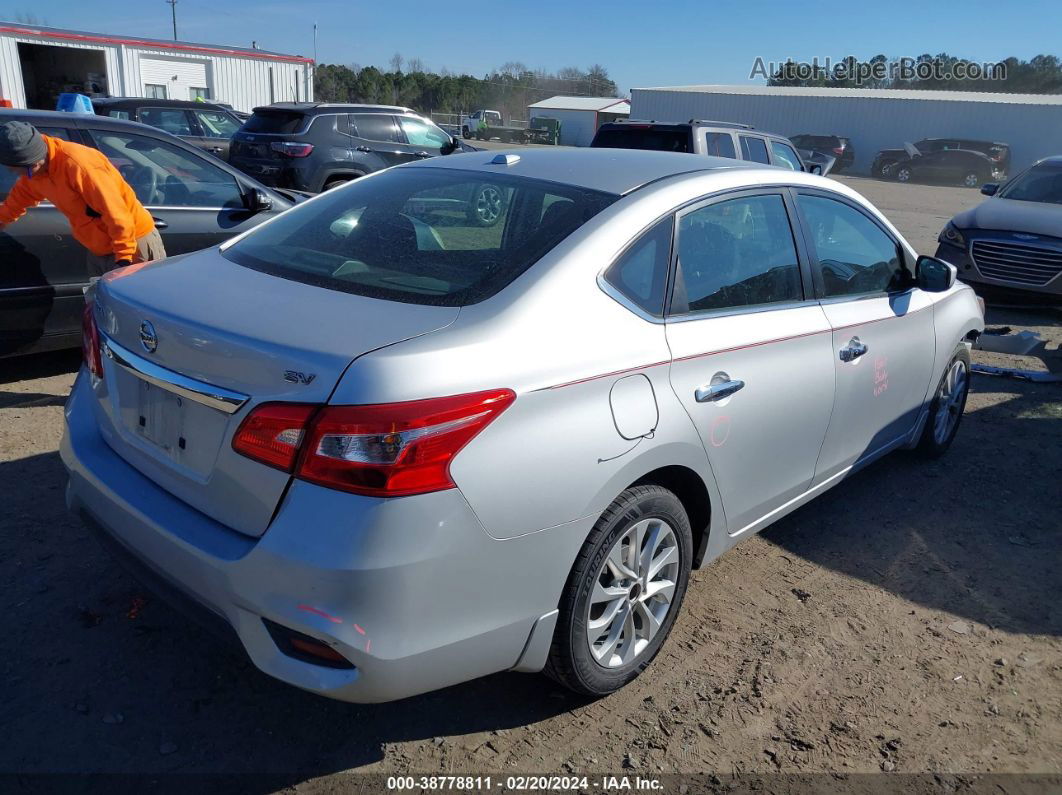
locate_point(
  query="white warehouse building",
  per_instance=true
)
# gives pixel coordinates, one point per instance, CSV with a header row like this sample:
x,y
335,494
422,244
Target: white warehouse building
x,y
580,116
39,63
872,119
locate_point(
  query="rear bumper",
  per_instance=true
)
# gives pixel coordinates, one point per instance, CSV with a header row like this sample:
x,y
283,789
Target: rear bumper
x,y
411,591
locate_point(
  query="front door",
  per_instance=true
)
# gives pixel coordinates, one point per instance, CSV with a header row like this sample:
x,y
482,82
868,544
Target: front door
x,y
195,202
751,358
883,335
42,272
378,135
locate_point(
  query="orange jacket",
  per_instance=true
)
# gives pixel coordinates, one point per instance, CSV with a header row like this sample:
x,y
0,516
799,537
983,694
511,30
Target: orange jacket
x,y
105,215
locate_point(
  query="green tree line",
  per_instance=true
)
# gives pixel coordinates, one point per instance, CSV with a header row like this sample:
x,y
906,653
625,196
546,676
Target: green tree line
x,y
1039,75
509,88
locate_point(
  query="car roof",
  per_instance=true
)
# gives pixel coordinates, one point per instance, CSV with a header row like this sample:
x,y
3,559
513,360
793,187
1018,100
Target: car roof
x,y
310,108
616,171
620,124
156,103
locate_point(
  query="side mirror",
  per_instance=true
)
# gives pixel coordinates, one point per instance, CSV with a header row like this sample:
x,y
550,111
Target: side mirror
x,y
257,200
935,275
990,188
453,146
814,168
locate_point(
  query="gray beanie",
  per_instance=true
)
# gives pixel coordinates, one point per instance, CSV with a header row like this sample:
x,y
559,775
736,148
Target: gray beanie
x,y
21,144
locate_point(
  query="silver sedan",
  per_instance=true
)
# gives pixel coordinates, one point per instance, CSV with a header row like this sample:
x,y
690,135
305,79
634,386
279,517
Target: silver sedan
x,y
392,448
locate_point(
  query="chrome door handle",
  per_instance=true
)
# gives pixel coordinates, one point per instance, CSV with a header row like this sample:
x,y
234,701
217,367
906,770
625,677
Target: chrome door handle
x,y
362,149
711,392
853,350
421,154
159,223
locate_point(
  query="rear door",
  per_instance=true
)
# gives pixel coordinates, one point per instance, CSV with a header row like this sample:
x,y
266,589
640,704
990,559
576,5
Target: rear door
x,y
883,334
215,128
378,134
751,358
196,202
42,270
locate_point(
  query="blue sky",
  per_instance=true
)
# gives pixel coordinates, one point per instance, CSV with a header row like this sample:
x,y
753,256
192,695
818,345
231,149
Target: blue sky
x,y
640,43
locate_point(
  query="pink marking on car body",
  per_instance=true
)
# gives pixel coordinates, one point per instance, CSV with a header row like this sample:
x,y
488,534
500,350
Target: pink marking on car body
x,y
318,612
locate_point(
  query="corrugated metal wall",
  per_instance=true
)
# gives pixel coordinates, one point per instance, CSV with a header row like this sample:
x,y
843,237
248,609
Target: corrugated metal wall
x,y
243,82
1033,131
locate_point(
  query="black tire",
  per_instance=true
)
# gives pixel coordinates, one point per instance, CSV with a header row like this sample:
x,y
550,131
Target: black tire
x,y
903,172
465,132
932,444
335,182
881,169
571,662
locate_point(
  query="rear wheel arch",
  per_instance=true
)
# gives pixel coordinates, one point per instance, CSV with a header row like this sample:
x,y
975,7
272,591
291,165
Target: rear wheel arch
x,y
338,176
692,492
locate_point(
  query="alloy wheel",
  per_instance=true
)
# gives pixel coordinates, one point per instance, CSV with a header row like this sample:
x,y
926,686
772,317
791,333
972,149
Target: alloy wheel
x,y
633,592
971,181
488,205
950,401
903,175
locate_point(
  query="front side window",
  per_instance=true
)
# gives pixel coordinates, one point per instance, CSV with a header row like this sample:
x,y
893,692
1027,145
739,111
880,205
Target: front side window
x,y
162,174
155,91
216,124
419,133
754,149
719,144
785,157
736,253
376,127
420,235
641,273
855,255
173,120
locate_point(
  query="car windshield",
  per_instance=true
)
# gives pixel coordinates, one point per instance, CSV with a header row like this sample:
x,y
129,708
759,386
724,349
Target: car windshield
x,y
421,235
1036,185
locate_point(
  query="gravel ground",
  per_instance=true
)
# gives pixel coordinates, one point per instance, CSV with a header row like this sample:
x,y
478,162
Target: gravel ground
x,y
907,622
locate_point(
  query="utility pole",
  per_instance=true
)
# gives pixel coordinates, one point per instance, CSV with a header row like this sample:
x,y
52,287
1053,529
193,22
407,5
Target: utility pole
x,y
173,9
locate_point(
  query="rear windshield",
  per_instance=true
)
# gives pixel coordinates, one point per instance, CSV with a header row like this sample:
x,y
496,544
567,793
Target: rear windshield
x,y
420,235
655,138
274,121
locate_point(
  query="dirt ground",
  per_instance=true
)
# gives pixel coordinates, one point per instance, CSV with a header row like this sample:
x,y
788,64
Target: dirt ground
x,y
908,621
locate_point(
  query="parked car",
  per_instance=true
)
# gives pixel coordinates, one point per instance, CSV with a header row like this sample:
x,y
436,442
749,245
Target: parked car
x,y
196,200
721,139
208,125
840,148
1012,243
997,153
313,146
428,451
963,166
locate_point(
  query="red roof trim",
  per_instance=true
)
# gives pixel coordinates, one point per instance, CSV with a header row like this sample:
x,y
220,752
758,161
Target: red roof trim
x,y
157,45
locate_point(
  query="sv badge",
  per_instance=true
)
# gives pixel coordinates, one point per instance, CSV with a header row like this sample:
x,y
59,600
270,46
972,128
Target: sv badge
x,y
295,377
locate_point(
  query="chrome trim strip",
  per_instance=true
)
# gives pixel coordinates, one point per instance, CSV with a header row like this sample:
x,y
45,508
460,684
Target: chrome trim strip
x,y
215,397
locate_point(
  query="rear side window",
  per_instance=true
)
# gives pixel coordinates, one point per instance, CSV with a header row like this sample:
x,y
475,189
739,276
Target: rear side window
x,y
734,254
754,149
855,255
275,122
719,144
173,120
376,127
641,273
653,138
420,235
118,114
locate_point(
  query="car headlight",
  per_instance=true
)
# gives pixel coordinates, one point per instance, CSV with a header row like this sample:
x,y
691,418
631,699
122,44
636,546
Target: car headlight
x,y
951,235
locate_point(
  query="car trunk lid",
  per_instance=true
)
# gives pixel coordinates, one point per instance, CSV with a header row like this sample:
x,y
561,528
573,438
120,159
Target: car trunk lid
x,y
194,343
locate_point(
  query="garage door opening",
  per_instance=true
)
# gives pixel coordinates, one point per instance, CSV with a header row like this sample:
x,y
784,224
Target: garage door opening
x,y
48,71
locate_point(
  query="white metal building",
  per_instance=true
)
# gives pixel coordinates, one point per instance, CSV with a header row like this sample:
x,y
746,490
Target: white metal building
x,y
37,64
580,116
873,119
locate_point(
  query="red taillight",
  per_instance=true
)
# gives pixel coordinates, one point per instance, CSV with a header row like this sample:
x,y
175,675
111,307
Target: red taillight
x,y
273,432
90,342
291,149
382,450
838,150
396,449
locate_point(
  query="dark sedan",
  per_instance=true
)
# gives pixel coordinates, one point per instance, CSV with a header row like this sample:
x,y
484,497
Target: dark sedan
x,y
1013,241
196,201
965,166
